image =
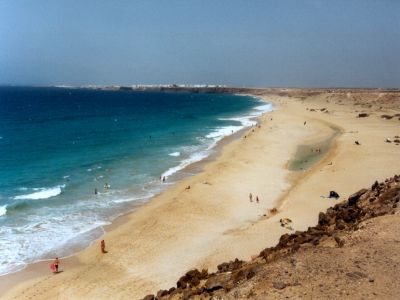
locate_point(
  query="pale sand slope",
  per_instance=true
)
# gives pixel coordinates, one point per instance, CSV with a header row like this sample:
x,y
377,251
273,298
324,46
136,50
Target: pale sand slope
x,y
212,223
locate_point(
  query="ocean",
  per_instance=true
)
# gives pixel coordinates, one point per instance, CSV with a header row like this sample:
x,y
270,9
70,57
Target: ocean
x,y
72,160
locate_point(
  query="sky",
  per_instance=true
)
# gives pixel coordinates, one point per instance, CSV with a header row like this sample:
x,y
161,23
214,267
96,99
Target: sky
x,y
281,43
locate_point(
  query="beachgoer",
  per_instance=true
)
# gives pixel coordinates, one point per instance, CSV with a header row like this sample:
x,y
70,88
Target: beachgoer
x,y
95,191
257,200
56,263
251,197
103,246
305,122
163,179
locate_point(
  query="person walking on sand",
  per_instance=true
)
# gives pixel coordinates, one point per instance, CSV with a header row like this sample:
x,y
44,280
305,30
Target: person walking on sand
x,y
103,246
54,265
251,197
257,200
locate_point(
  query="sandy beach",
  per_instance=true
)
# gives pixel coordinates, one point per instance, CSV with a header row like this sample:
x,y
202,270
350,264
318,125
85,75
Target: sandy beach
x,y
297,153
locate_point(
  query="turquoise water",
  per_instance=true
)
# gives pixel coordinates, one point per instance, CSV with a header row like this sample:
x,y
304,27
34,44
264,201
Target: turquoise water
x,y
58,146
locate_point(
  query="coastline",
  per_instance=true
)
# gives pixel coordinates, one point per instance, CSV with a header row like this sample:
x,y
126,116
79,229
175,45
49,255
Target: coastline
x,y
154,245
40,268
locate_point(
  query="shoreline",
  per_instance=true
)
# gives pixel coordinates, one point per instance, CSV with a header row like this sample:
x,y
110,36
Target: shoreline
x,y
40,267
153,248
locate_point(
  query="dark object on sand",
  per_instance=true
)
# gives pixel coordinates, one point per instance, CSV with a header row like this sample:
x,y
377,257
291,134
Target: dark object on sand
x,y
363,115
357,143
333,194
387,117
103,246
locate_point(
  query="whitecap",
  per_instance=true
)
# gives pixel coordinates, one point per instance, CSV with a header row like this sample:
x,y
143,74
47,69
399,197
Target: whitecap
x,y
195,157
265,107
3,210
175,154
220,132
42,193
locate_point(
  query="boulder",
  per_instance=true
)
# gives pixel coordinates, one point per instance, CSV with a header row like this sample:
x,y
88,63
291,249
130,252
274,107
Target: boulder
x,y
354,197
230,266
375,185
218,281
161,293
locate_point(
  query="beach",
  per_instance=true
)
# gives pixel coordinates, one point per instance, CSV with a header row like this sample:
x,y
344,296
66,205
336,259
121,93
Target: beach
x,y
208,218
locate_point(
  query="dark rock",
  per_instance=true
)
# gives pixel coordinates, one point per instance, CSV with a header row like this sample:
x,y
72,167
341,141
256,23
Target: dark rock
x,y
267,252
322,219
149,297
250,274
279,285
363,115
375,185
181,284
230,266
387,117
218,281
284,239
354,197
339,241
340,224
161,293
191,278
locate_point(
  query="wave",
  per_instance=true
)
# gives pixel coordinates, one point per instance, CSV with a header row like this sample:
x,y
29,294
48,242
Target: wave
x,y
265,107
175,154
195,157
3,210
42,193
219,133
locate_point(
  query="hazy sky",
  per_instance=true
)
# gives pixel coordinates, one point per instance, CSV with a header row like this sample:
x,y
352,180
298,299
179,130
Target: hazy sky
x,y
242,43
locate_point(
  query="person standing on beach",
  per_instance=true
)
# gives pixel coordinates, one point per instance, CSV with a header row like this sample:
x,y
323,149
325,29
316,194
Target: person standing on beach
x,y
54,265
251,197
103,246
257,200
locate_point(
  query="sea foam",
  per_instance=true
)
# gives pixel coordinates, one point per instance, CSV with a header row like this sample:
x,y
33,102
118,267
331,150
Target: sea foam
x,y
3,210
42,193
175,154
218,134
195,157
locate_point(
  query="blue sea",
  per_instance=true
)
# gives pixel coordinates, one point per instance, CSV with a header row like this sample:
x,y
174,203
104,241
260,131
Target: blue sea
x,y
59,146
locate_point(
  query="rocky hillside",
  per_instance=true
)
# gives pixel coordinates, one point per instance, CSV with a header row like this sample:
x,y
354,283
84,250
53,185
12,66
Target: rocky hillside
x,y
353,252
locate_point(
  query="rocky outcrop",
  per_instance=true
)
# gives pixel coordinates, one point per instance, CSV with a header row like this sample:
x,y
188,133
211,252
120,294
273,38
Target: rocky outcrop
x,y
381,199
